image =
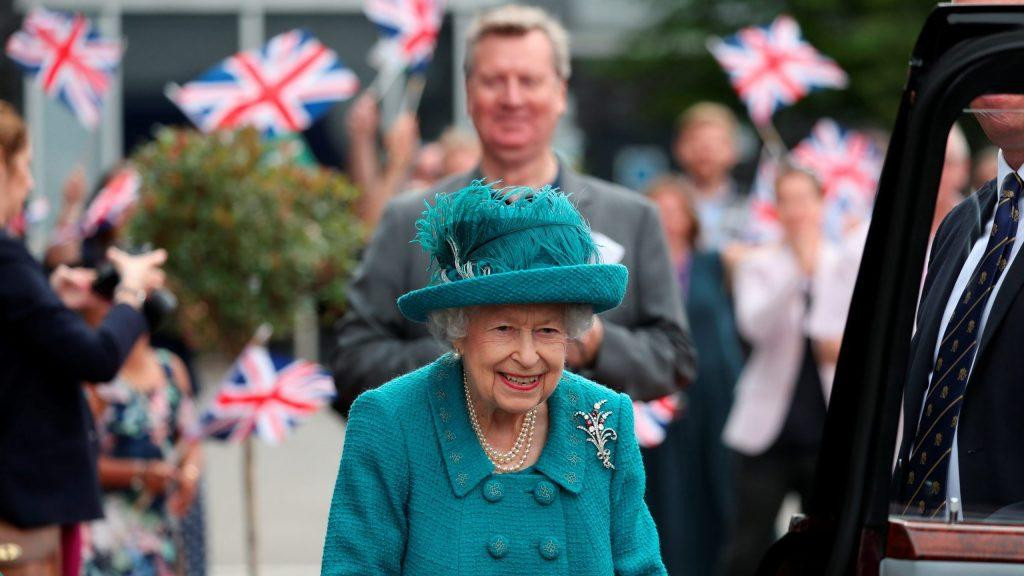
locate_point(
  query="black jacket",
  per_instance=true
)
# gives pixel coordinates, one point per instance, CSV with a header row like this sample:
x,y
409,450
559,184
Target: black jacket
x,y
990,427
47,444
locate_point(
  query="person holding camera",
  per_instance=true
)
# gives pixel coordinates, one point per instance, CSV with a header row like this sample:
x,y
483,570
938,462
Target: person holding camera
x,y
48,466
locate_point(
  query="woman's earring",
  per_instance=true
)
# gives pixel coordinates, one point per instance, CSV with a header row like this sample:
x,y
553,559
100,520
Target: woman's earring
x,y
456,354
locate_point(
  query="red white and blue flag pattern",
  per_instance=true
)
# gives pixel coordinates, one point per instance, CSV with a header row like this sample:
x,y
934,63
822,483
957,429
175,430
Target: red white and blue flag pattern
x,y
113,200
68,58
772,66
280,89
266,395
848,165
409,30
651,419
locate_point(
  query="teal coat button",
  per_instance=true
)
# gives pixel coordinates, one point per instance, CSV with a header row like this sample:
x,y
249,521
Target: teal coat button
x,y
493,491
498,547
544,492
549,548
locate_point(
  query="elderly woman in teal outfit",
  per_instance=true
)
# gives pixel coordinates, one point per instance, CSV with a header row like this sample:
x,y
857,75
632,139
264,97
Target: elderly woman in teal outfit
x,y
494,459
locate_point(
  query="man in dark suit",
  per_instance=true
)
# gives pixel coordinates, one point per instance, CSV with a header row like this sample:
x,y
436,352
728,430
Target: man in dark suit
x,y
517,72
964,399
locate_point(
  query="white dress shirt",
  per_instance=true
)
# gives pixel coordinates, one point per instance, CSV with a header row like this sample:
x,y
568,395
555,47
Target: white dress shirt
x,y
977,251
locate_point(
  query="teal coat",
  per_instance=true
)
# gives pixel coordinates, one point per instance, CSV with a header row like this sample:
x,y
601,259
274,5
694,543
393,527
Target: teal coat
x,y
417,495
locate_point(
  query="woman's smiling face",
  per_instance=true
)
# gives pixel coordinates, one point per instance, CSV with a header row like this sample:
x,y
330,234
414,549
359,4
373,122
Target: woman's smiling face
x,y
514,354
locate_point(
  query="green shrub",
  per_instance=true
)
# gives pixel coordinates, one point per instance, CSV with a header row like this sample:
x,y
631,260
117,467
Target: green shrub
x,y
249,229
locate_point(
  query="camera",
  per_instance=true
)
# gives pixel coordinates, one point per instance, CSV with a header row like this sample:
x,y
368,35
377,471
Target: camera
x,y
159,306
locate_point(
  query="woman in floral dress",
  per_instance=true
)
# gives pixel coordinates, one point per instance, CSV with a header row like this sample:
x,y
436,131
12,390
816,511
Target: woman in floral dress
x,y
149,466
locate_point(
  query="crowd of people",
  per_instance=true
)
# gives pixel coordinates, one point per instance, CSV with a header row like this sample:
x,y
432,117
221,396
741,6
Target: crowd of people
x,y
537,299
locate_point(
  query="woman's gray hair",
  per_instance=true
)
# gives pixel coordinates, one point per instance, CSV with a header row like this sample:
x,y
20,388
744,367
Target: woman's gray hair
x,y
450,324
517,20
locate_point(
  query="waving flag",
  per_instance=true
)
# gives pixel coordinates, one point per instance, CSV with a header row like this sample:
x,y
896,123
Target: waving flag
x,y
651,419
848,165
268,395
773,66
409,30
68,58
281,88
110,204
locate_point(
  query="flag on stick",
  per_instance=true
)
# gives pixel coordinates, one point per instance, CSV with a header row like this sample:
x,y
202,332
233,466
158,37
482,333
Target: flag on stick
x,y
772,66
281,88
847,164
110,204
68,58
266,395
409,30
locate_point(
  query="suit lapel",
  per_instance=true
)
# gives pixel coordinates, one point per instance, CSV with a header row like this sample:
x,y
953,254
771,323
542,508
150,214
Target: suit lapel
x,y
949,255
573,184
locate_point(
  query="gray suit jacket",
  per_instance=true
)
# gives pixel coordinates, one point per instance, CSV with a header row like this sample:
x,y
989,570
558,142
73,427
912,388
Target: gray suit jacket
x,y
647,351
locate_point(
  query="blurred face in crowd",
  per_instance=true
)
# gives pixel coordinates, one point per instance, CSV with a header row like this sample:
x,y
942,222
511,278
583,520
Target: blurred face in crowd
x,y
676,215
956,170
15,182
514,95
514,354
799,204
706,151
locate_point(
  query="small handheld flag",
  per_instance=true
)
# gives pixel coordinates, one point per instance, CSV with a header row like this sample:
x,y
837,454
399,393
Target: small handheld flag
x,y
409,30
772,66
68,58
266,395
281,88
110,204
848,165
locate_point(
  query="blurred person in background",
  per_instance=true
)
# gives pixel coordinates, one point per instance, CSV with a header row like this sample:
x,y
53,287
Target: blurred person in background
x,y
791,304
48,475
689,475
517,70
956,175
149,461
461,151
706,149
985,168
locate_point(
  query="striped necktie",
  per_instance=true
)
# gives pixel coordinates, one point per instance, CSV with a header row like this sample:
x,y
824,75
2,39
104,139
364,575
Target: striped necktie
x,y
923,488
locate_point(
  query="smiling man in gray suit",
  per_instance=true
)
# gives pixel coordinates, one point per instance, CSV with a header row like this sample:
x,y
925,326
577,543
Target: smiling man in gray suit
x,y
517,72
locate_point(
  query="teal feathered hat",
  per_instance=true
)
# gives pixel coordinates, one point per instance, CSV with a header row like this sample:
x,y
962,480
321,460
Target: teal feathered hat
x,y
512,245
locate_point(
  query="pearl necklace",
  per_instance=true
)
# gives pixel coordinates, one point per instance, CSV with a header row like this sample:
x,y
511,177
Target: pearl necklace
x,y
504,461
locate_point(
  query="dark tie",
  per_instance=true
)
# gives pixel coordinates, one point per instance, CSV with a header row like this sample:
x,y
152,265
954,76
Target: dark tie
x,y
923,489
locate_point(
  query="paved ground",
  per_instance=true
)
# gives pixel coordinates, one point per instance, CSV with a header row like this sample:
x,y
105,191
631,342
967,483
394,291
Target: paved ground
x,y
294,485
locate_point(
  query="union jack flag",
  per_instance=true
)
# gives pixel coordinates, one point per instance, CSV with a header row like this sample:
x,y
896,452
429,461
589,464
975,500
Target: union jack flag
x,y
110,204
268,395
281,88
409,29
772,66
848,165
68,58
651,419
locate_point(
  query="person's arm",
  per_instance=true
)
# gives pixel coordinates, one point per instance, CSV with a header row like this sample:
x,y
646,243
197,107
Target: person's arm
x,y
400,143
635,548
656,356
372,346
367,528
66,245
29,307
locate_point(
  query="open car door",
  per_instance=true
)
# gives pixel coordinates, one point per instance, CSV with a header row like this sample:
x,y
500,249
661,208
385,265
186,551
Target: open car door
x,y
855,522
